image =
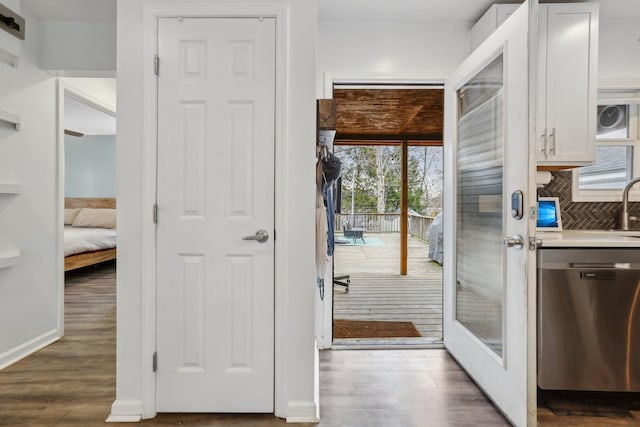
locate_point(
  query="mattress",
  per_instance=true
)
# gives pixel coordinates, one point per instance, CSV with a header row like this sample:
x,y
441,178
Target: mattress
x,y
82,239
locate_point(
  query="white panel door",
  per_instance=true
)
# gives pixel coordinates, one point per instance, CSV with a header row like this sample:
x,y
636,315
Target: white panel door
x,y
216,110
486,158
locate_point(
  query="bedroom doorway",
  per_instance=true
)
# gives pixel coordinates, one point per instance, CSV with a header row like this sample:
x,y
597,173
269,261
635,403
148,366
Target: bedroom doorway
x,y
87,189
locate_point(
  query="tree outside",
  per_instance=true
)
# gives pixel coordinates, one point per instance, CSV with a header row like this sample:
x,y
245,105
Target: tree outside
x,y
371,178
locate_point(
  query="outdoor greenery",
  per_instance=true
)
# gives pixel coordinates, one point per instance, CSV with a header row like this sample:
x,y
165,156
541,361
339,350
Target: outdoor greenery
x,y
371,179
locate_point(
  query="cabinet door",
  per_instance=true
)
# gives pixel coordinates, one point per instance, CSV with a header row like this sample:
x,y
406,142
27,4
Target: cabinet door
x,y
570,47
489,22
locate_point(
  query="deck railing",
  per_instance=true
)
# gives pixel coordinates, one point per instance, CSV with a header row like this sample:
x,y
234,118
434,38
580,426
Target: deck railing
x,y
384,223
419,226
372,222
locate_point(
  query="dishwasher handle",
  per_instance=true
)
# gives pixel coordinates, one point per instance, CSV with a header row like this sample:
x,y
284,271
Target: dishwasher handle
x,y
599,265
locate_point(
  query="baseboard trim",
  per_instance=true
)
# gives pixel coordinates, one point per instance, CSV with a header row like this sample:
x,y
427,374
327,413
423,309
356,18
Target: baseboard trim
x,y
313,419
302,411
123,419
125,411
15,354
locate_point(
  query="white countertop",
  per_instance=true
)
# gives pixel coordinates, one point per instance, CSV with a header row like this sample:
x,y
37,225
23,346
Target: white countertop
x,y
589,239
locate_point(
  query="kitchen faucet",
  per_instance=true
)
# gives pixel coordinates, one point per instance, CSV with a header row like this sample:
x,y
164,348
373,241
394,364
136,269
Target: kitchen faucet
x,y
624,214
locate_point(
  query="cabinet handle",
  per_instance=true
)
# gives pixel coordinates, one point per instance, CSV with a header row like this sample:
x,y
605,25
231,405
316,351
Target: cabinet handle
x,y
544,144
552,136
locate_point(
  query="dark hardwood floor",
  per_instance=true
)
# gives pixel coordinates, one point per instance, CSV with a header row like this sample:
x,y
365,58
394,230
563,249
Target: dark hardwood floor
x,y
72,382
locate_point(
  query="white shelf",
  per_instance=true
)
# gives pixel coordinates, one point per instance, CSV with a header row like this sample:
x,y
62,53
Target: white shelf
x,y
10,48
9,188
10,118
9,258
9,57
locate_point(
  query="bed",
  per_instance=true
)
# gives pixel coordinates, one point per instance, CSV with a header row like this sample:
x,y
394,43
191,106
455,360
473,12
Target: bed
x,y
85,243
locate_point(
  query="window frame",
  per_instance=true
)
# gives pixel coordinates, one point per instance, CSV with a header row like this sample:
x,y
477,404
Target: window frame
x,y
615,97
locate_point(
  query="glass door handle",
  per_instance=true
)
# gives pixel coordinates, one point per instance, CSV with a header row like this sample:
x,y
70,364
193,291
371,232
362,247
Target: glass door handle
x,y
514,242
534,243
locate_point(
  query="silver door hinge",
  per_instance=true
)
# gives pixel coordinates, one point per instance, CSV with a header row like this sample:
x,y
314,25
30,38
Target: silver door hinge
x,y
154,362
155,213
156,65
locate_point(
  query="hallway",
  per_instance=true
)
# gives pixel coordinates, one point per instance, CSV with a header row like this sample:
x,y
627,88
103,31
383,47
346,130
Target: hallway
x,y
71,383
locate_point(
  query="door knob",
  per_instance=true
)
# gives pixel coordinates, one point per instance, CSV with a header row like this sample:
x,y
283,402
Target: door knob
x,y
261,236
534,243
514,242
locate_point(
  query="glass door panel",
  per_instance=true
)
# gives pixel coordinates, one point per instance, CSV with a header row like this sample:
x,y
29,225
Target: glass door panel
x,y
479,253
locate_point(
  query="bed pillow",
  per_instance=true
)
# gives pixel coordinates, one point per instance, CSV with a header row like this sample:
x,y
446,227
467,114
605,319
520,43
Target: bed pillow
x,y
100,218
70,215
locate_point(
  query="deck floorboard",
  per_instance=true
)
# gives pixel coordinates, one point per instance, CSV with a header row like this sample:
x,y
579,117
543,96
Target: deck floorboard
x,y
377,290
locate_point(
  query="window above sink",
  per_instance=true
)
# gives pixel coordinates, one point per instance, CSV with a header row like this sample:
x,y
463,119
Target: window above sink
x,y
617,150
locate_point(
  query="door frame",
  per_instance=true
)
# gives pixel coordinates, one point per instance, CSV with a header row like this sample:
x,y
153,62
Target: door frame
x,y
167,9
63,89
324,308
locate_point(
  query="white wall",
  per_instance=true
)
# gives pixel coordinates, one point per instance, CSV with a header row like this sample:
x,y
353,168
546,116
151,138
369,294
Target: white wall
x,y
435,49
90,166
357,48
78,48
29,220
619,50
101,91
296,281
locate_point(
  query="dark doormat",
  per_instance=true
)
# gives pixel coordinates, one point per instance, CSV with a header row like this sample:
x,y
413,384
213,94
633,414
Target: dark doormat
x,y
373,329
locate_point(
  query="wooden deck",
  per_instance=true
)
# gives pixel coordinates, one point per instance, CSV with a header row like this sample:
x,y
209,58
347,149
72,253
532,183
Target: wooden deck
x,y
378,292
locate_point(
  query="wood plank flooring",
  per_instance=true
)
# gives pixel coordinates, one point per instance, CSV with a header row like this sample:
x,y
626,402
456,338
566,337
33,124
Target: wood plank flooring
x,y
379,292
389,297
71,383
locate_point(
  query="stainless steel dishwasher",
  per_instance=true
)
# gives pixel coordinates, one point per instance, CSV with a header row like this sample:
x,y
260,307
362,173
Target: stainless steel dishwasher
x,y
589,319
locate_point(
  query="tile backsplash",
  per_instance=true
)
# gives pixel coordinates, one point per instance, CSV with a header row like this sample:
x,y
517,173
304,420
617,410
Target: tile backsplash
x,y
584,215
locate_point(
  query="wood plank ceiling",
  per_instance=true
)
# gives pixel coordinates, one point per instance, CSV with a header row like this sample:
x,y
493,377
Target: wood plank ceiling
x,y
389,115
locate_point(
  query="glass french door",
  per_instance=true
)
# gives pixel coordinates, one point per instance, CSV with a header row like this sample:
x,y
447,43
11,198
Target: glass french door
x,y
486,256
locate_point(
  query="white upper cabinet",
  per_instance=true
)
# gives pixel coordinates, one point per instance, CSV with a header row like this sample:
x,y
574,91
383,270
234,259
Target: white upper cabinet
x,y
567,79
488,23
567,85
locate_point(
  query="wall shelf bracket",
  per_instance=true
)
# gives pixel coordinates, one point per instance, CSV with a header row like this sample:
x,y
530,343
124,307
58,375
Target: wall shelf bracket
x,y
9,258
12,119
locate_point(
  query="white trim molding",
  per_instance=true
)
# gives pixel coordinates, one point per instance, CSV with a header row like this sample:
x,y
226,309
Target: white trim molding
x,y
23,350
59,202
125,411
302,412
324,315
331,78
90,100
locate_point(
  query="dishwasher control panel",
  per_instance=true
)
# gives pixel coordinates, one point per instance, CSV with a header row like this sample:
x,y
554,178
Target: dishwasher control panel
x,y
598,275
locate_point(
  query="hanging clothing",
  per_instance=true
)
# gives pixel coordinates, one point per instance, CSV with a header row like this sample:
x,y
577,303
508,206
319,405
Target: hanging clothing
x,y
330,220
322,260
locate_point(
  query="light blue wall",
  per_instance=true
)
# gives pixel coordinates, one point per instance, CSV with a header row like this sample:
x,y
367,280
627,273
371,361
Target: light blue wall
x,y
90,166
